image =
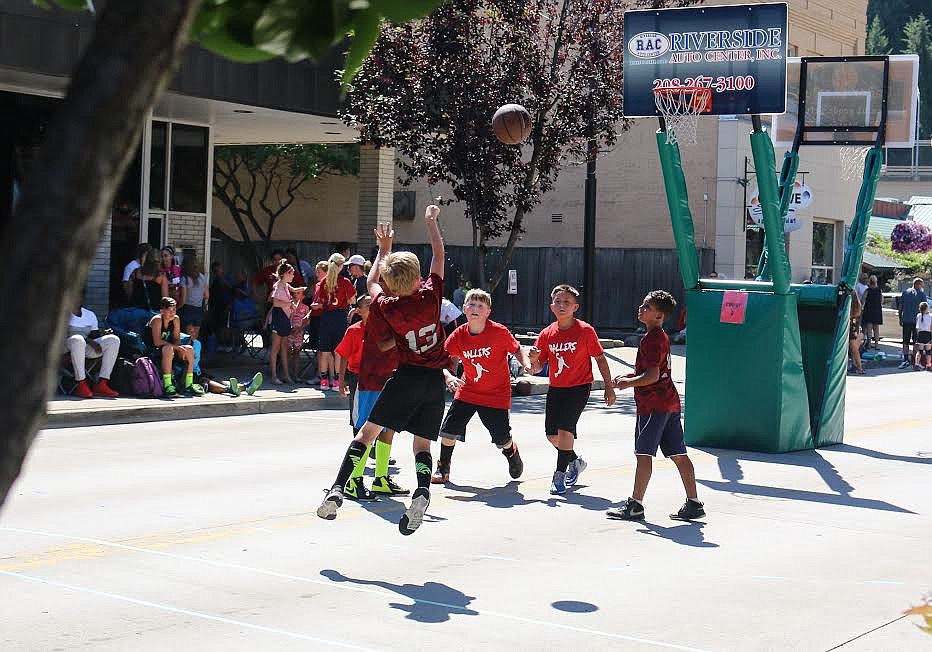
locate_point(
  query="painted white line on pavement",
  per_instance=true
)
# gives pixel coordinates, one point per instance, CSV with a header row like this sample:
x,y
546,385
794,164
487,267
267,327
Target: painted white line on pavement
x,y
179,610
330,583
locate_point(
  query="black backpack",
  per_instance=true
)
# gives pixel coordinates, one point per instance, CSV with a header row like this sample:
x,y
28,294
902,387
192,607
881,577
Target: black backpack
x,y
122,376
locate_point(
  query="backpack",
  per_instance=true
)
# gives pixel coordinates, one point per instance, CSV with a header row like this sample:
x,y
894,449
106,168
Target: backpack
x,y
121,378
146,380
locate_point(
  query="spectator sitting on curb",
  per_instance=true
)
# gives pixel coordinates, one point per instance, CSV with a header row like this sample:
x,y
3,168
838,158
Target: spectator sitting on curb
x,y
164,339
86,340
232,386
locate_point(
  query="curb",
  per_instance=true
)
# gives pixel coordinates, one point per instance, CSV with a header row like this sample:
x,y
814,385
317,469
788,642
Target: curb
x,y
173,411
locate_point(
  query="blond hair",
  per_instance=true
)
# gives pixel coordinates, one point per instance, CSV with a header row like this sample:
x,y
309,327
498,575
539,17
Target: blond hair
x,y
400,272
334,265
479,295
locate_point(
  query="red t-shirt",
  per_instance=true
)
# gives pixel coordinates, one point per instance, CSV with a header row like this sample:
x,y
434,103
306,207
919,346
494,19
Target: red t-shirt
x,y
569,353
414,322
343,295
266,277
375,367
485,364
654,351
350,347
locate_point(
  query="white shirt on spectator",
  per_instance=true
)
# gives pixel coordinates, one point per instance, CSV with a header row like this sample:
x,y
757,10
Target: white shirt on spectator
x,y
924,322
860,289
84,323
449,313
131,267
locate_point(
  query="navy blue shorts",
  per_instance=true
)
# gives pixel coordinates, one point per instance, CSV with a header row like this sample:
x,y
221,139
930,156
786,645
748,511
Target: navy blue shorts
x,y
659,429
281,324
332,329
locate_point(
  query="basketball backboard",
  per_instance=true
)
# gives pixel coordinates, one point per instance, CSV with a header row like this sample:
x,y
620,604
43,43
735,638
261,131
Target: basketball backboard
x,y
737,51
844,101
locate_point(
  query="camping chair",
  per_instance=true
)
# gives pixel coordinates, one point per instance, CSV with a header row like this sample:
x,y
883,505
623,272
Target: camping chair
x,y
66,380
246,320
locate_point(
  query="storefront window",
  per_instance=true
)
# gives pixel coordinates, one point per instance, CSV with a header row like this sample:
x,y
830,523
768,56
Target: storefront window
x,y
753,246
189,169
157,166
823,253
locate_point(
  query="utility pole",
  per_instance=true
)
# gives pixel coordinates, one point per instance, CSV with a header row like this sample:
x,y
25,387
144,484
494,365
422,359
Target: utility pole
x,y
592,152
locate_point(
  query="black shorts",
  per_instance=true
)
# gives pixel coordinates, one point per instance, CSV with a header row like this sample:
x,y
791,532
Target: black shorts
x,y
659,429
923,337
191,315
281,323
494,419
909,334
564,407
332,329
413,399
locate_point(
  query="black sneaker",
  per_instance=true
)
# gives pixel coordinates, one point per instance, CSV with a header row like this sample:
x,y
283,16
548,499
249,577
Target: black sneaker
x,y
387,487
515,464
690,511
414,515
630,510
357,490
333,500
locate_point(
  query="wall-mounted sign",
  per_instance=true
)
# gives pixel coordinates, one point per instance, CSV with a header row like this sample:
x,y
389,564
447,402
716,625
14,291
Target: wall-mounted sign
x,y
801,198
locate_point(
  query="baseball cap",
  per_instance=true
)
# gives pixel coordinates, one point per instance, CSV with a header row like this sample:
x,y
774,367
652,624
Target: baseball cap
x,y
356,259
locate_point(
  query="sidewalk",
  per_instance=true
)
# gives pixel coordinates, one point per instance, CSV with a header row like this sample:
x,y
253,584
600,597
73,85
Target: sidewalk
x,y
70,412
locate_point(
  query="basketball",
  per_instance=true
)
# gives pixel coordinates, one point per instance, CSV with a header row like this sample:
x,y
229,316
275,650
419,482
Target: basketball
x,y
522,388
512,124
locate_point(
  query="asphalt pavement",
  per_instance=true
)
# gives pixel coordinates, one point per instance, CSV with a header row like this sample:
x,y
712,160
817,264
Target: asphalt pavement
x,y
201,534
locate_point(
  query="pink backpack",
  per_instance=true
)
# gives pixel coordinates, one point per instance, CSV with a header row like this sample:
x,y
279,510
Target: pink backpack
x,y
146,380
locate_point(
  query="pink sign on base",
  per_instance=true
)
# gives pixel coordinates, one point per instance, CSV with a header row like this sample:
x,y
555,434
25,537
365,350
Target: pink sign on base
x,y
734,303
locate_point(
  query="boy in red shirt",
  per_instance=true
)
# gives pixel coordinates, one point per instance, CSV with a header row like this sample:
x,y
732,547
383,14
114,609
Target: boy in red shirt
x,y
567,345
483,345
367,369
405,316
658,413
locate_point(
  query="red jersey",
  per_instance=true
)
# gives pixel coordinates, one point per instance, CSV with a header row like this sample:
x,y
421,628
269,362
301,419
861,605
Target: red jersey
x,y
486,374
654,351
414,323
343,294
375,367
350,347
569,353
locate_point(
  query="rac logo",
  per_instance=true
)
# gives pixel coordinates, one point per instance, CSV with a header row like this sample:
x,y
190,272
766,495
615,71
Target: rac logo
x,y
649,45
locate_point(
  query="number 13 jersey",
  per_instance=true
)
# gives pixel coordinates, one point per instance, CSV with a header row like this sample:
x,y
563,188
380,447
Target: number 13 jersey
x,y
414,323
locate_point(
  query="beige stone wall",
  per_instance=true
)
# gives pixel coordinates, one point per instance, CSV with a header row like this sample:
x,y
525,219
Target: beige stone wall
x,y
187,232
326,210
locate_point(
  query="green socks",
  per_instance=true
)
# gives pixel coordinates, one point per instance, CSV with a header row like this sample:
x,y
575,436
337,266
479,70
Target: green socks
x,y
382,454
188,379
166,380
361,464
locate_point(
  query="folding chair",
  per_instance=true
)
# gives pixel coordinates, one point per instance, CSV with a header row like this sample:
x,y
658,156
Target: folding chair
x,y
66,380
245,319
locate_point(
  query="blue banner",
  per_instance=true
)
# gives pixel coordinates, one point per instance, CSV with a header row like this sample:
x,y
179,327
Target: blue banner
x,y
737,52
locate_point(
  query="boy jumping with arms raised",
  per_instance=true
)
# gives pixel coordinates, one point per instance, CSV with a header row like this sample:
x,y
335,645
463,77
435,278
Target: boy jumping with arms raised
x,y
568,346
405,316
658,413
483,345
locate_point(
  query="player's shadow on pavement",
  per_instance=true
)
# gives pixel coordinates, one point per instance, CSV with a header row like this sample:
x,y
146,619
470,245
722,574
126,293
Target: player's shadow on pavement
x,y
433,602
499,497
685,534
729,464
573,497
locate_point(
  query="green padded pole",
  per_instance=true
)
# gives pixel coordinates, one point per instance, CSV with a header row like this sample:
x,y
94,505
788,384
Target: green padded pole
x,y
857,236
787,179
680,217
765,165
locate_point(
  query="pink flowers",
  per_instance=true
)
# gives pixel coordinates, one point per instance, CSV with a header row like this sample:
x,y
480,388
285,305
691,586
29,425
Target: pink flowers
x,y
911,237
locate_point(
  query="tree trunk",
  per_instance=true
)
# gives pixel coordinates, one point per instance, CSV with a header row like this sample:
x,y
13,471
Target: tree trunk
x,y
516,225
54,233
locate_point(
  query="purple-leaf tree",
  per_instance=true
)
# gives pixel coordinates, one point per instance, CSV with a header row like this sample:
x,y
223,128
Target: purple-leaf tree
x,y
429,89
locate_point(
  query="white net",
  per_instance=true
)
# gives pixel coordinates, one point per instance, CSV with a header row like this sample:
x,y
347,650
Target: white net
x,y
681,107
852,161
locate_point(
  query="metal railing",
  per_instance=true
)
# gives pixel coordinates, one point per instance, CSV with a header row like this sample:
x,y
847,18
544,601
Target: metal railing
x,y
914,163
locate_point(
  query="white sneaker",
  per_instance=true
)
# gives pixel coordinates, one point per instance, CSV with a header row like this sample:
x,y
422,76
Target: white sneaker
x,y
903,364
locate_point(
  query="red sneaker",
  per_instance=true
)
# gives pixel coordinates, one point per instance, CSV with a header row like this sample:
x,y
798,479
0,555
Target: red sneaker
x,y
81,390
102,388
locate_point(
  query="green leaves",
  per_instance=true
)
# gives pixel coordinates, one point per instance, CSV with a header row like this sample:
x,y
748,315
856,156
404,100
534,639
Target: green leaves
x,y
73,5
